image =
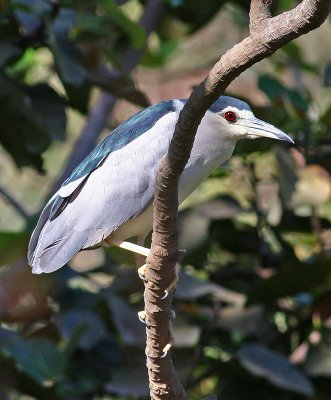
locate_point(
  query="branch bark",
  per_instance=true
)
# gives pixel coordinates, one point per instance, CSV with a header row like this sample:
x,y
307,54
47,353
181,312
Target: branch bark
x,y
267,34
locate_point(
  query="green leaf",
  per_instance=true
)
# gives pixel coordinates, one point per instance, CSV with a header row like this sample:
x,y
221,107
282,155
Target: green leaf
x,y
249,320
8,51
294,53
274,89
31,116
291,279
133,30
22,65
66,54
78,96
190,288
29,13
130,379
91,327
126,321
12,246
261,361
38,358
49,109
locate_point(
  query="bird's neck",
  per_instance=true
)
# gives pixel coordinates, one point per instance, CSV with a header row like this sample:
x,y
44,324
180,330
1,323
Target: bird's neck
x,y
211,146
209,151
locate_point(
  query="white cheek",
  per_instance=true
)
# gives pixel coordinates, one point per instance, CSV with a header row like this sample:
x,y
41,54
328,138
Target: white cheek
x,y
239,130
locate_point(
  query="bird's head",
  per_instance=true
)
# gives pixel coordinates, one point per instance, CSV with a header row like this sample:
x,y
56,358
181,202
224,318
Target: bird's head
x,y
237,121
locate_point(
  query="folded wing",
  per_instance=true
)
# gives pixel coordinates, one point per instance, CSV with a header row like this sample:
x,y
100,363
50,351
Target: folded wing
x,y
105,191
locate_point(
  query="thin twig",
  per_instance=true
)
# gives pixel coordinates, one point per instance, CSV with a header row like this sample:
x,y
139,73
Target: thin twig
x,y
14,203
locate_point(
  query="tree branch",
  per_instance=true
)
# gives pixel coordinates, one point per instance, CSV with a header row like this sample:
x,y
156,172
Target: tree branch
x,y
14,203
118,85
267,34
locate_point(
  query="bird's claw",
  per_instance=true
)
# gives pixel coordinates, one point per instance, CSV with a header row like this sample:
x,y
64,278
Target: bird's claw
x,y
170,288
166,294
141,272
181,252
166,350
142,316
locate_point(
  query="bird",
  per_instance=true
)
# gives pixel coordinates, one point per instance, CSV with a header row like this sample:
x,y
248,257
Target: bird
x,y
109,196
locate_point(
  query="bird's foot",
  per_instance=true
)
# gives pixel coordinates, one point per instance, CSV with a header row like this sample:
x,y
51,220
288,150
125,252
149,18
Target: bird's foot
x,y
165,350
142,316
181,252
171,287
141,272
171,342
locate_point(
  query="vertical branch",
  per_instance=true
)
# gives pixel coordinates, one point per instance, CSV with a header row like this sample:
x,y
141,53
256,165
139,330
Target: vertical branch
x,y
267,34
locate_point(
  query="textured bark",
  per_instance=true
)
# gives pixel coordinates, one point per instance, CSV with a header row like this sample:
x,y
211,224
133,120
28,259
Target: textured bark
x,y
267,34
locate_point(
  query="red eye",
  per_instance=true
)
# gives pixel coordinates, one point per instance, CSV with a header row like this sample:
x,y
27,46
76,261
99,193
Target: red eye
x,y
230,116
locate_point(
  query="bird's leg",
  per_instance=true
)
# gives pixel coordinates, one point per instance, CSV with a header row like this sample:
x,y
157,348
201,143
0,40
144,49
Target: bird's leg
x,y
140,259
135,248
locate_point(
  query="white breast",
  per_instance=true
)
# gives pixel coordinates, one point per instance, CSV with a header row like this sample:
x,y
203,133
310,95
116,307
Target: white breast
x,y
197,170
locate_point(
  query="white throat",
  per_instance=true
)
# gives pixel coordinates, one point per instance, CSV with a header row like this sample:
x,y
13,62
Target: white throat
x,y
211,148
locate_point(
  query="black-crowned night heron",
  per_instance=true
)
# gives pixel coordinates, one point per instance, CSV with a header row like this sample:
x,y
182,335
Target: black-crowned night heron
x,y
109,195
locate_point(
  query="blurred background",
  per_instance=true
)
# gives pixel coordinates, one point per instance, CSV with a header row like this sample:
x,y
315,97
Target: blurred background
x,y
253,302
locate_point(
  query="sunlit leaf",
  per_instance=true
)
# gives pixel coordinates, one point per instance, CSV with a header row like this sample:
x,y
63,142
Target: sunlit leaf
x,y
185,335
313,187
189,288
249,321
134,31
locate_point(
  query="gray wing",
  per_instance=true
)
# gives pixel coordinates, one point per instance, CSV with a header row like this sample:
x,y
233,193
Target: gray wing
x,y
85,211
